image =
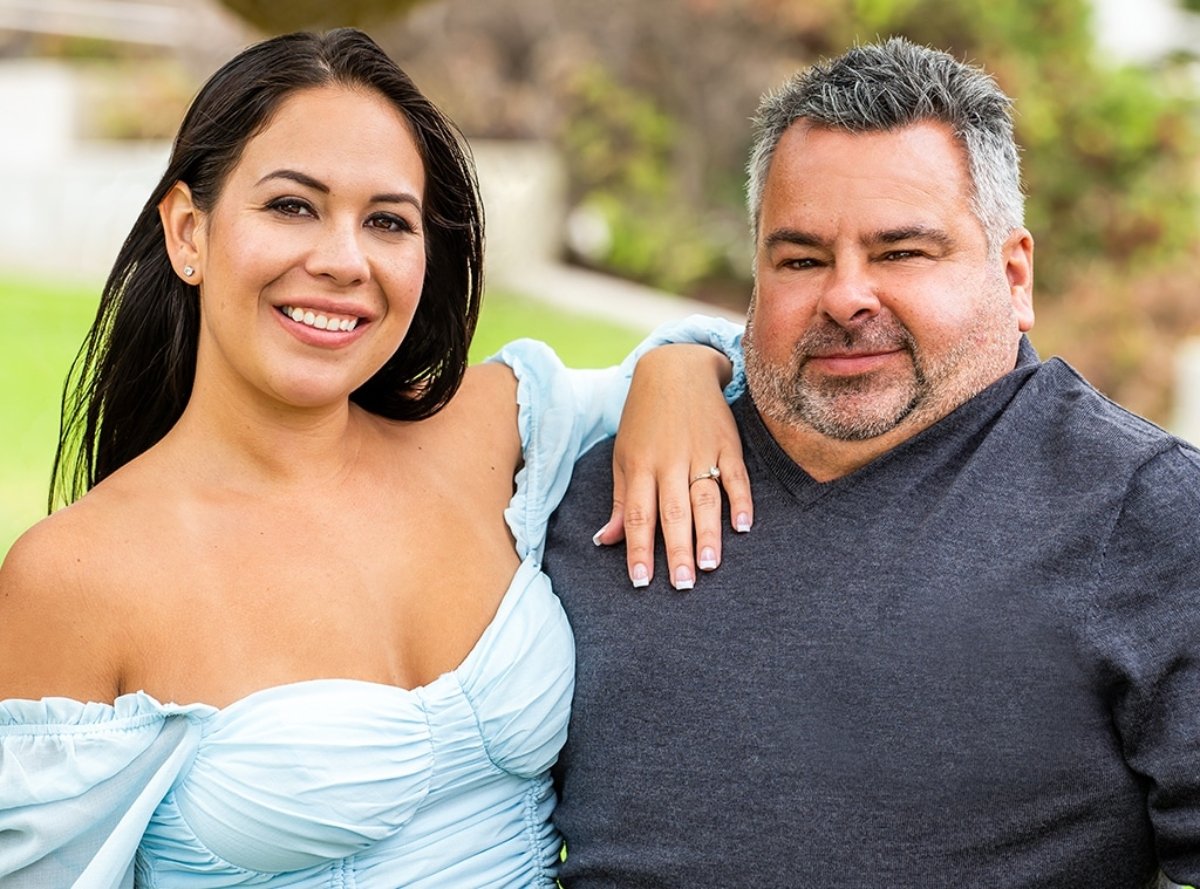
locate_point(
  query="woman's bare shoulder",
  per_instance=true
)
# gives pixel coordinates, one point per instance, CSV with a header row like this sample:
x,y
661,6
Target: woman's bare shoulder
x,y
482,413
489,388
46,559
61,608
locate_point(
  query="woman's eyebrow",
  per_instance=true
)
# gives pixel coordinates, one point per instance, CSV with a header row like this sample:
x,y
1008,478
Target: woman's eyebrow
x,y
296,176
391,197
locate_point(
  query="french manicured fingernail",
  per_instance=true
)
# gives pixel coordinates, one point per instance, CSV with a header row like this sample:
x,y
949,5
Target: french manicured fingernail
x,y
742,523
708,559
596,536
641,577
683,578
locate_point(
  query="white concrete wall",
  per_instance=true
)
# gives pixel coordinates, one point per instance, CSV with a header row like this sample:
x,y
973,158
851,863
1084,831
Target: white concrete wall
x,y
67,205
523,186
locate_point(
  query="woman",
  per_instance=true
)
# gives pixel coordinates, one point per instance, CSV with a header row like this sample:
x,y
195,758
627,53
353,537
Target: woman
x,y
299,524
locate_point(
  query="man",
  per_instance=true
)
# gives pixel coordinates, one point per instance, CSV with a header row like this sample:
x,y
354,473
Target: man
x,y
959,647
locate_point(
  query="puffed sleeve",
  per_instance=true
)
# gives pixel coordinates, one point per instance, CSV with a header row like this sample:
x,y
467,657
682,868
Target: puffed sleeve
x,y
79,782
563,412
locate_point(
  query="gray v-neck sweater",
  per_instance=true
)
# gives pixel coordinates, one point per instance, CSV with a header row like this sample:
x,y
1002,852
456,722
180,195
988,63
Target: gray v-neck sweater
x,y
973,662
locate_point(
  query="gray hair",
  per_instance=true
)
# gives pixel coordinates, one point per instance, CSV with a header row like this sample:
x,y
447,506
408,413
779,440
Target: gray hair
x,y
894,84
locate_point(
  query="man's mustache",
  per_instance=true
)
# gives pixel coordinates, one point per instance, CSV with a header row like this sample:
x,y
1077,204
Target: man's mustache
x,y
880,334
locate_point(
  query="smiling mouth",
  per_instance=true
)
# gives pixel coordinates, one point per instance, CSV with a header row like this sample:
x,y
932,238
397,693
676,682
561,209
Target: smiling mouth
x,y
320,320
874,353
851,357
851,363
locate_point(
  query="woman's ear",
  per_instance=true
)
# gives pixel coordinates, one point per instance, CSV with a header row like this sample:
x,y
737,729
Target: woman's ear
x,y
183,228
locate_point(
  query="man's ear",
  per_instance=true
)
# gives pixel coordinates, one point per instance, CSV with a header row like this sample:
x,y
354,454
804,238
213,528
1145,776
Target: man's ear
x,y
1017,255
183,229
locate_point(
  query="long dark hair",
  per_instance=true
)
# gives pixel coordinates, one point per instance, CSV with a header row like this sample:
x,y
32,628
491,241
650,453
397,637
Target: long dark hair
x,y
134,372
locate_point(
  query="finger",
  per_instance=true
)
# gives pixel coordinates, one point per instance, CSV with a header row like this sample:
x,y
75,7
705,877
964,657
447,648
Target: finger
x,y
675,513
705,496
613,530
641,514
736,482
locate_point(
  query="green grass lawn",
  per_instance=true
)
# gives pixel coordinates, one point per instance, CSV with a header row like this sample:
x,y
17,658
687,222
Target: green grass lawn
x,y
48,321
34,357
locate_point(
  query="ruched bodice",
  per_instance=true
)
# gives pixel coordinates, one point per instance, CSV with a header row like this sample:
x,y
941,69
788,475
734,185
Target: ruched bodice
x,y
347,783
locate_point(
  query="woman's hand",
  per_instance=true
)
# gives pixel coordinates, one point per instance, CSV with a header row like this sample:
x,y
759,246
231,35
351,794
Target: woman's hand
x,y
675,428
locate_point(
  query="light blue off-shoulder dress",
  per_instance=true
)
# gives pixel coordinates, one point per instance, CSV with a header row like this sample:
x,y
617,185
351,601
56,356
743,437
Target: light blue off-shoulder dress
x,y
336,783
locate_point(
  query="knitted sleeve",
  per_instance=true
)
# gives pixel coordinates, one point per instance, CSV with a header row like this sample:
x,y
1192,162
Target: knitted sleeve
x,y
1147,619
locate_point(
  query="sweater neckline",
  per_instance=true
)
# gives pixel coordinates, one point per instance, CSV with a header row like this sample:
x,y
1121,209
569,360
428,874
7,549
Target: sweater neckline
x,y
967,421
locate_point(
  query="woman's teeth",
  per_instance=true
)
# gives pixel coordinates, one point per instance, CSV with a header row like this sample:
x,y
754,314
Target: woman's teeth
x,y
310,318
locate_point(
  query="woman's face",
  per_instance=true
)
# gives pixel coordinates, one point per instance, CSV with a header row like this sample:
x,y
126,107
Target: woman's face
x,y
312,259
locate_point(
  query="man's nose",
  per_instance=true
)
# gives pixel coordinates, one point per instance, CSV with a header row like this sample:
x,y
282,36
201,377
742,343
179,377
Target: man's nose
x,y
849,294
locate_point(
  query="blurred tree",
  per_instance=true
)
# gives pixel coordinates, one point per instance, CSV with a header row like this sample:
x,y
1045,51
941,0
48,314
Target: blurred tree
x,y
273,17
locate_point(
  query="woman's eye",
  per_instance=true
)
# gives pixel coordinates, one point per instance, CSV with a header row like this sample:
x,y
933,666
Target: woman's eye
x,y
389,222
291,207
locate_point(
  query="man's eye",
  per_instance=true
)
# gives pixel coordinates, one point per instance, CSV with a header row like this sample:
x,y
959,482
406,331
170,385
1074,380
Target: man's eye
x,y
799,263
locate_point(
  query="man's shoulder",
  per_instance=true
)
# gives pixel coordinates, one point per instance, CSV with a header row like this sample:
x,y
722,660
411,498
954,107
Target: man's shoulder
x,y
586,503
592,470
1068,413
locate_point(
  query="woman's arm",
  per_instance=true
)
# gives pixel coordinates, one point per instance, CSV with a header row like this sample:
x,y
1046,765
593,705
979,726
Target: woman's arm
x,y
562,413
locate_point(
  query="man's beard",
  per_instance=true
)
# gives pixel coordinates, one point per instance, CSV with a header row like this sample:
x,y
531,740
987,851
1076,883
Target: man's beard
x,y
850,408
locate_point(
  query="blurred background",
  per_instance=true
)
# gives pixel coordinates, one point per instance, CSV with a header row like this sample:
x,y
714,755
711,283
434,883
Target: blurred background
x,y
611,140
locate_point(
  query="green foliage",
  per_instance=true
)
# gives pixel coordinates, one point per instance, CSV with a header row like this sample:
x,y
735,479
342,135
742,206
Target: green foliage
x,y
1112,170
619,146
617,138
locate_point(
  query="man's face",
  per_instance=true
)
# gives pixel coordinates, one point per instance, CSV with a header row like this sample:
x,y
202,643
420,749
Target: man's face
x,y
878,308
